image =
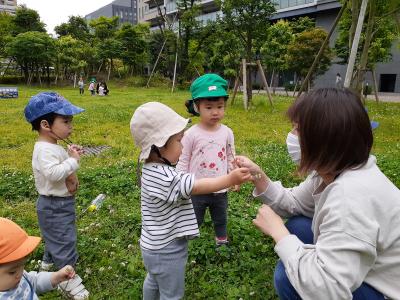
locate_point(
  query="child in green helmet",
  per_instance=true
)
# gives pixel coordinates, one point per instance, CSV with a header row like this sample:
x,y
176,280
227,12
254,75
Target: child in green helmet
x,y
208,149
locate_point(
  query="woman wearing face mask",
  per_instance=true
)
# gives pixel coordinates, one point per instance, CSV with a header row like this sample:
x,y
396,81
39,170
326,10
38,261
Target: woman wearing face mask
x,y
342,239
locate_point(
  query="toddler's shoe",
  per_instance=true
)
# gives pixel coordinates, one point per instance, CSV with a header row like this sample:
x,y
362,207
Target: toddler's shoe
x,y
74,289
221,241
46,266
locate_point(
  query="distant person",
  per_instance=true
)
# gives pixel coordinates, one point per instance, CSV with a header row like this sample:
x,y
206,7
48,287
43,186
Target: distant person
x,y
100,90
339,81
81,84
106,90
91,88
366,90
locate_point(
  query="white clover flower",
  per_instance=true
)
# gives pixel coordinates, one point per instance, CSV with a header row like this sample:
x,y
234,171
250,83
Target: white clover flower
x,y
96,239
109,267
88,271
251,293
130,246
105,251
122,264
112,253
101,269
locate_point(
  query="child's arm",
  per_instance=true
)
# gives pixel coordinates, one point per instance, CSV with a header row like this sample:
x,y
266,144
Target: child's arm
x,y
53,170
46,281
186,156
72,183
211,185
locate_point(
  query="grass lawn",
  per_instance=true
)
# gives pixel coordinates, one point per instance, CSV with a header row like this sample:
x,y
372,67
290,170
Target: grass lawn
x,y
110,259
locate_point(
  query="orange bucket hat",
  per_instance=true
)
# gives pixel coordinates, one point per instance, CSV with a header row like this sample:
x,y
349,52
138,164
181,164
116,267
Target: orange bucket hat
x,y
15,242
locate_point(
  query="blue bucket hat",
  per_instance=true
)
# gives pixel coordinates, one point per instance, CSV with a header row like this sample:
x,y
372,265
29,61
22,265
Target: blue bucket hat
x,y
49,102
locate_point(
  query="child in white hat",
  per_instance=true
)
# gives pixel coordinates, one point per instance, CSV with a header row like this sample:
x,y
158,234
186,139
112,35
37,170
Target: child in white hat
x,y
168,219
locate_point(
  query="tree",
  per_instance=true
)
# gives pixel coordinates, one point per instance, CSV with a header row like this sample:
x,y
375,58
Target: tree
x,y
26,20
376,37
133,45
70,56
76,27
274,50
6,21
249,20
33,51
305,45
166,61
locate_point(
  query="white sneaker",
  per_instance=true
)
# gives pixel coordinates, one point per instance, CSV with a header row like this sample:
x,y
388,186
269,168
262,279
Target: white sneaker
x,y
74,289
45,266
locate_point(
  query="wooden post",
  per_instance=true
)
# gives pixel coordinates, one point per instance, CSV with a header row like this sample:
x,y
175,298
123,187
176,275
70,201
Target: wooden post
x,y
155,64
245,98
236,85
264,80
173,80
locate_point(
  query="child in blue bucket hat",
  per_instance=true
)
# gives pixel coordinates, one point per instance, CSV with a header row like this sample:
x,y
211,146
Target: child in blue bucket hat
x,y
54,170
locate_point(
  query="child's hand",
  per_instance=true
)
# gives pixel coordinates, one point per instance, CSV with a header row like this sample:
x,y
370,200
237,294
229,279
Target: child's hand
x,y
239,176
61,275
270,223
243,161
235,188
74,152
78,148
72,183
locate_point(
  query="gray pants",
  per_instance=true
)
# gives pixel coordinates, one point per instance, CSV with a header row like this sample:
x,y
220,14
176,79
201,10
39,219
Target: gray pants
x,y
57,225
218,204
165,279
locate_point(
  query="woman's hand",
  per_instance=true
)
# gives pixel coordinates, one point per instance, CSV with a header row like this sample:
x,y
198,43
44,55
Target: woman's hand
x,y
243,161
268,222
258,177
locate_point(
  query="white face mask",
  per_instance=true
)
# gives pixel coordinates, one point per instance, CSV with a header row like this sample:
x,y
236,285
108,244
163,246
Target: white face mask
x,y
293,146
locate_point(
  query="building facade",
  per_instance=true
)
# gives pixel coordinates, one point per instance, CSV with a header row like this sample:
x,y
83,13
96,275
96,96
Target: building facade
x,y
8,6
125,10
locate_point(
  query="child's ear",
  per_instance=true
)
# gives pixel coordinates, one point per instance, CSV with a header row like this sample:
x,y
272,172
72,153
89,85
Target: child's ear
x,y
44,125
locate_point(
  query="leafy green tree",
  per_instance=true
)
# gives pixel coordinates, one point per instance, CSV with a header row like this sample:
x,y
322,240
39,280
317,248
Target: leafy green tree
x,y
25,20
104,28
379,31
249,20
6,21
274,50
70,56
165,65
76,27
133,45
305,45
33,51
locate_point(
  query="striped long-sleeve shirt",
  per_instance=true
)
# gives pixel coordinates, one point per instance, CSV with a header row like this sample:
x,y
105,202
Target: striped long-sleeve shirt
x,y
167,210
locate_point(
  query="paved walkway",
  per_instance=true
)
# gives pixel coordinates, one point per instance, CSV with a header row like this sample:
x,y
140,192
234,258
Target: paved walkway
x,y
384,97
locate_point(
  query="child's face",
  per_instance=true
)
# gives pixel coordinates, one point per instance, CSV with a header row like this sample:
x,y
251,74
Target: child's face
x,y
11,274
62,126
211,112
173,148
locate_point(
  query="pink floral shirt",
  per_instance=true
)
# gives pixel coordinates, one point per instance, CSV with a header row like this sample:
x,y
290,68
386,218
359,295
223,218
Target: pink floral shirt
x,y
207,153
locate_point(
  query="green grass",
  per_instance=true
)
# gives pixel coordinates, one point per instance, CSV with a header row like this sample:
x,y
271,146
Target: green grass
x,y
110,260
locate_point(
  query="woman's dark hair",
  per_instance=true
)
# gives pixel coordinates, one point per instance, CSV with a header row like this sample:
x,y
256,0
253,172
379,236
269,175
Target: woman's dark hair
x,y
50,117
334,130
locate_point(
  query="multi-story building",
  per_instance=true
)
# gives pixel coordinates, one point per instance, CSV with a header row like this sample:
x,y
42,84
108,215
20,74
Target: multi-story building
x,y
125,10
323,12
9,6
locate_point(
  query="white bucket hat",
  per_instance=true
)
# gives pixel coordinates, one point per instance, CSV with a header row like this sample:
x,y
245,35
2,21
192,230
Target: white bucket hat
x,y
153,123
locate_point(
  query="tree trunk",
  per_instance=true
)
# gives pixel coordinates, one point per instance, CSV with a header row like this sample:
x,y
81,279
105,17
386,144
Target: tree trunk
x,y
245,86
375,85
249,47
354,47
364,55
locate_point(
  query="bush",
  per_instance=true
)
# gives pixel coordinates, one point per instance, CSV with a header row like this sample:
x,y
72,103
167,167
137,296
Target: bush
x,y
11,79
290,86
